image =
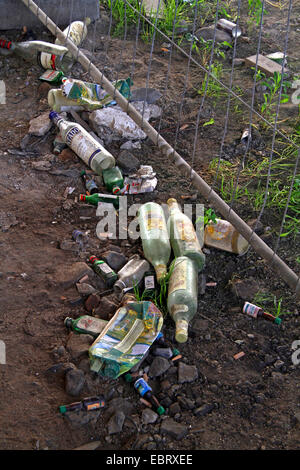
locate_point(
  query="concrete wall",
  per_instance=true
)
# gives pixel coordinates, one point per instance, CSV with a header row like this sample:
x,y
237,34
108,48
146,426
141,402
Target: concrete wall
x,y
14,14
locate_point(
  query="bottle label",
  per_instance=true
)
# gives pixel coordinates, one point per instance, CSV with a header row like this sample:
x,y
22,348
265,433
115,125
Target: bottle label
x,y
178,277
251,309
105,268
48,61
70,135
220,230
185,231
179,308
149,282
142,387
155,222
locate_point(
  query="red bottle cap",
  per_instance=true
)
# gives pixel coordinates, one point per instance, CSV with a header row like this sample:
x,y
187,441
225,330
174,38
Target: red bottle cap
x,y
92,259
82,197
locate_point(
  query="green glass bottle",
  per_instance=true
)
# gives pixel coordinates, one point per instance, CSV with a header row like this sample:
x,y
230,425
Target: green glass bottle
x,y
105,271
183,295
113,179
86,325
183,237
155,238
97,197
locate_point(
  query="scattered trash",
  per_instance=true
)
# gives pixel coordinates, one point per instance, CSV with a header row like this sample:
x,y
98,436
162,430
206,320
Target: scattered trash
x,y
278,57
264,64
257,312
86,325
239,355
105,271
144,389
246,136
229,27
85,146
126,339
87,404
224,236
155,237
182,295
97,198
113,179
183,238
154,8
131,274
89,183
52,76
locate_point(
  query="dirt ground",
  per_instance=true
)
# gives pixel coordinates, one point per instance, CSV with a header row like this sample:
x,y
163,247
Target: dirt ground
x,y
255,399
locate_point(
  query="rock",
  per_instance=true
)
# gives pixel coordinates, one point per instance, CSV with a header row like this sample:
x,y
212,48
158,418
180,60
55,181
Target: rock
x,y
200,325
92,302
67,155
40,125
60,369
150,95
106,309
89,446
173,429
149,416
120,404
159,366
85,289
207,34
186,403
78,345
116,422
74,382
278,365
174,409
128,162
42,165
245,289
67,275
82,418
204,410
187,373
68,245
115,260
43,90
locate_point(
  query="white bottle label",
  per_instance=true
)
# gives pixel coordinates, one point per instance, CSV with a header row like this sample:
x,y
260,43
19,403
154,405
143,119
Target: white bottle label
x,y
84,147
149,282
47,60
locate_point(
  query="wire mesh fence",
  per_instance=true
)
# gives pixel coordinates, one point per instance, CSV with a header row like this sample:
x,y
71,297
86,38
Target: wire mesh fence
x,y
229,123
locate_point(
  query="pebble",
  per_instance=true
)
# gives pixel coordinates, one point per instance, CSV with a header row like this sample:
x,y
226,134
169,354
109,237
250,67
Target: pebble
x,y
74,382
149,416
78,345
128,162
172,428
92,302
187,373
245,289
204,410
68,275
105,309
40,125
174,409
85,289
115,260
159,366
186,403
67,155
115,424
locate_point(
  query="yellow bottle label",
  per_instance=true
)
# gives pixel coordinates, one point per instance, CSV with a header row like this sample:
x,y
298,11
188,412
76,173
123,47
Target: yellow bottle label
x,y
178,278
155,222
185,231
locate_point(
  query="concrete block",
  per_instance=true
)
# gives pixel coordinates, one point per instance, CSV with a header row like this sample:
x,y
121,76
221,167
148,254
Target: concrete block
x,y
15,15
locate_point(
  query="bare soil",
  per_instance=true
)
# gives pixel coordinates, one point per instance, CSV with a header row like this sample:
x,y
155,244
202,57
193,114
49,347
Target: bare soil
x,y
256,397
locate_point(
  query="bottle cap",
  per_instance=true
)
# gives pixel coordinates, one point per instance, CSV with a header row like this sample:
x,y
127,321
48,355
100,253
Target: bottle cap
x,y
82,197
92,258
62,409
171,201
160,410
68,322
176,352
111,369
277,320
53,115
181,334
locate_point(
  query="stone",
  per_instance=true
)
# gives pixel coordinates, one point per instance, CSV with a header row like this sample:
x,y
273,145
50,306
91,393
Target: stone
x,y
187,373
207,34
68,275
174,409
266,65
256,225
186,403
42,165
43,90
115,260
150,95
89,446
120,404
105,309
68,245
115,424
127,162
40,125
67,155
92,302
81,418
204,410
245,289
78,345
173,429
74,382
85,289
159,366
149,416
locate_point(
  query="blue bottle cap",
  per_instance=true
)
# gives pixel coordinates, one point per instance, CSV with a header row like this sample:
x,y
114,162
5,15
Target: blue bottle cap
x,y
53,114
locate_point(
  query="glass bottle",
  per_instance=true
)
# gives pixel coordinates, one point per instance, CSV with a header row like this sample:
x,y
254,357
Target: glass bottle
x,y
183,237
97,197
183,295
113,179
83,144
104,271
257,312
144,389
131,274
89,183
224,236
155,238
86,324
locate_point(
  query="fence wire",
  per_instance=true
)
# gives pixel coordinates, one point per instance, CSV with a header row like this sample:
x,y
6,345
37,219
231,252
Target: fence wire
x,y
190,63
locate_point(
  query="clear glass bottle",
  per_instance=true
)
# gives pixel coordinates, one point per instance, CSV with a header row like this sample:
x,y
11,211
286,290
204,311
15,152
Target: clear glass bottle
x,y
155,237
183,237
83,144
183,295
131,274
86,324
224,236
